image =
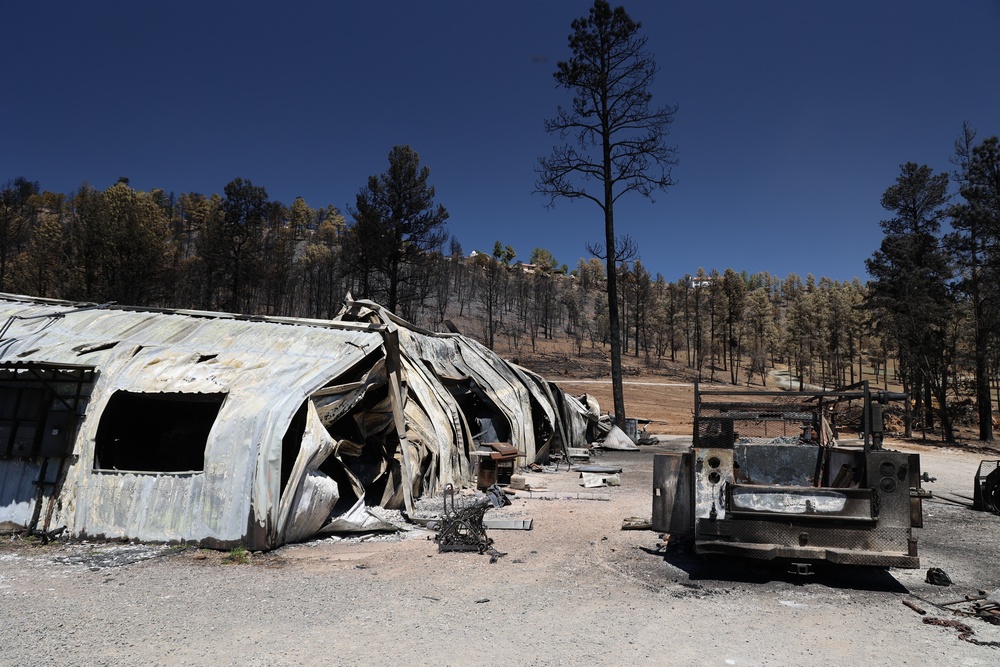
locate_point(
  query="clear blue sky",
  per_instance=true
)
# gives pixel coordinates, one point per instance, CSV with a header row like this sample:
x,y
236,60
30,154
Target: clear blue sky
x,y
794,116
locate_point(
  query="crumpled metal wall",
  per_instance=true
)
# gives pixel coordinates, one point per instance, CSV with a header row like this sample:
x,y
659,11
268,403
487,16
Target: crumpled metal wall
x,y
311,496
266,369
381,422
537,413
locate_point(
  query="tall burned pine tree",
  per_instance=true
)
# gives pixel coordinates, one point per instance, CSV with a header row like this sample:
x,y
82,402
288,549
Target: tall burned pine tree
x,y
614,140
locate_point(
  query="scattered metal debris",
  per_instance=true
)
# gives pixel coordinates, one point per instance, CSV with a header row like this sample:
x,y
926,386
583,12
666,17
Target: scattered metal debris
x,y
964,631
637,523
508,524
938,577
666,539
563,495
113,555
606,470
983,606
461,527
594,480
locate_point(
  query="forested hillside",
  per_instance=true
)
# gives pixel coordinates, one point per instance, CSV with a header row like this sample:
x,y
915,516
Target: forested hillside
x,y
926,321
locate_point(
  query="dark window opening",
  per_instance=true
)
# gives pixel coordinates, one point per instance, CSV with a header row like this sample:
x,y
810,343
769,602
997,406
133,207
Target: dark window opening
x,y
485,420
22,414
544,430
292,443
366,436
40,405
155,432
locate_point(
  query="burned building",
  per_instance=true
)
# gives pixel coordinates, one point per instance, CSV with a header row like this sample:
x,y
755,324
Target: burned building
x,y
227,430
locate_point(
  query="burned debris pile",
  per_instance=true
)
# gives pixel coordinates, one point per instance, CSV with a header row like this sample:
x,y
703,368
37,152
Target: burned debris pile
x,y
461,527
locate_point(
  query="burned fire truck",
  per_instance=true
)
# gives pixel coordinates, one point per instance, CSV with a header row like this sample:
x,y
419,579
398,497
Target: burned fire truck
x,y
793,475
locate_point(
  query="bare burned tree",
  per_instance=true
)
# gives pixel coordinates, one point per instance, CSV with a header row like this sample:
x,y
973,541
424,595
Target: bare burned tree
x,y
614,138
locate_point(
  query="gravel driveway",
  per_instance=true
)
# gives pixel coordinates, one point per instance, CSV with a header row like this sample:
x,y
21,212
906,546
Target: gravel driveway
x,y
574,590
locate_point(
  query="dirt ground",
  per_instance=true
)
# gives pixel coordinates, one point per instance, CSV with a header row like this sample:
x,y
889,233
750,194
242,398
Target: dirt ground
x,y
663,392
576,589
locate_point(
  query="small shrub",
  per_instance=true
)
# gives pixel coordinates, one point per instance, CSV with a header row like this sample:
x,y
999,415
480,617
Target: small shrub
x,y
238,556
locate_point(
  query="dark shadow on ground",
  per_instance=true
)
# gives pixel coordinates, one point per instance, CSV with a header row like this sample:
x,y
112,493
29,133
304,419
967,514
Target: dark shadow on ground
x,y
729,569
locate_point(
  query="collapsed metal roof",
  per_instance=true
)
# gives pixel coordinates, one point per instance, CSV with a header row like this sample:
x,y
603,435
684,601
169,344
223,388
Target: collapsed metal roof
x,y
456,381
225,430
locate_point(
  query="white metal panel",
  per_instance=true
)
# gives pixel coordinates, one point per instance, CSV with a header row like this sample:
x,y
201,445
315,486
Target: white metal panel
x,y
266,369
18,491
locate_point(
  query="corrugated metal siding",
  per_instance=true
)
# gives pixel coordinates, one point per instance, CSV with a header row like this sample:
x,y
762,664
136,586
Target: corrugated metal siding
x,y
511,388
18,490
433,418
457,358
267,369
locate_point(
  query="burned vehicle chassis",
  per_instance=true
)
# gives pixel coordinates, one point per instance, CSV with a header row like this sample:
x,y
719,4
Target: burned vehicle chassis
x,y
802,476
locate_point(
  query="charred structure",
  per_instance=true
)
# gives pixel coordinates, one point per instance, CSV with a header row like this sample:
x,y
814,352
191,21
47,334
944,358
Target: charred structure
x,y
226,430
790,475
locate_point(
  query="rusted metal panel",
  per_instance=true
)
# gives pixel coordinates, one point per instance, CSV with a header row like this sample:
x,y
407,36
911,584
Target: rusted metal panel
x,y
772,481
672,509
